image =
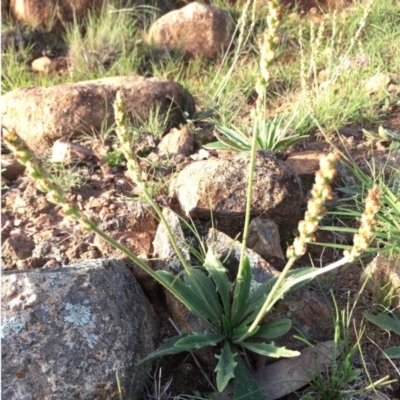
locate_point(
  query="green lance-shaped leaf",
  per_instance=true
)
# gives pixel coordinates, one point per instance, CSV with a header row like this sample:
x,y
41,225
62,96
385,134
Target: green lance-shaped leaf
x,y
236,136
242,292
273,329
239,331
225,367
166,349
208,291
246,387
220,277
384,322
226,325
185,294
270,350
392,352
230,144
198,340
258,297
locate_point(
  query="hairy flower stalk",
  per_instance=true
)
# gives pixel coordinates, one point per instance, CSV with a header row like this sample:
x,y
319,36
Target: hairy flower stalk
x,y
321,192
134,171
258,118
121,129
365,234
34,170
267,57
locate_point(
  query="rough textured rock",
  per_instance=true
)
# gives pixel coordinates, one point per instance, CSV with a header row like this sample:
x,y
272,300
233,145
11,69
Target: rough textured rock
x,y
11,169
64,151
49,13
17,247
264,239
44,65
223,184
305,164
67,332
178,143
229,249
42,115
164,253
197,30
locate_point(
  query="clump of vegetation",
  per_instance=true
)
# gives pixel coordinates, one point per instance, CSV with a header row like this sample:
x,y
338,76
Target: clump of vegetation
x,y
318,70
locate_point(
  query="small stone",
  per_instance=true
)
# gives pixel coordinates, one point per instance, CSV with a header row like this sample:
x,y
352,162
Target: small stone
x,y
376,83
52,264
30,263
11,169
264,239
17,247
177,142
66,152
44,65
305,162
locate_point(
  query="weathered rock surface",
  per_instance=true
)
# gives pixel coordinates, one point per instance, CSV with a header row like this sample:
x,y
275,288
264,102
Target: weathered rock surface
x,y
41,115
223,185
11,169
44,65
196,29
178,143
264,239
229,249
64,151
48,13
17,247
67,332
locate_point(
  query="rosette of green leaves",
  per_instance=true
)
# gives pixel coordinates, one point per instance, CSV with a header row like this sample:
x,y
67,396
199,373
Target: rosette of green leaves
x,y
271,135
229,311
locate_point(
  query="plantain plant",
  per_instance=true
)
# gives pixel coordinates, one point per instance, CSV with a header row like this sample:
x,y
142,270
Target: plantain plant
x,y
232,312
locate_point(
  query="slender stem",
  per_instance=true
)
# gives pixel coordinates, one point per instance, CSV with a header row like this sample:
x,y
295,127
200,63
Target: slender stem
x,y
148,269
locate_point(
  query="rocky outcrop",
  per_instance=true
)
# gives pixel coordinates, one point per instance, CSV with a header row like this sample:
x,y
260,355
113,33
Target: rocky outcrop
x,y
41,115
48,13
196,30
220,186
68,332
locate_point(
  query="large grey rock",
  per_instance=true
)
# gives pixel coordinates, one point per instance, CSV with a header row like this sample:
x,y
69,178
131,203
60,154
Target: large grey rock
x,y
196,29
41,115
67,332
222,185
